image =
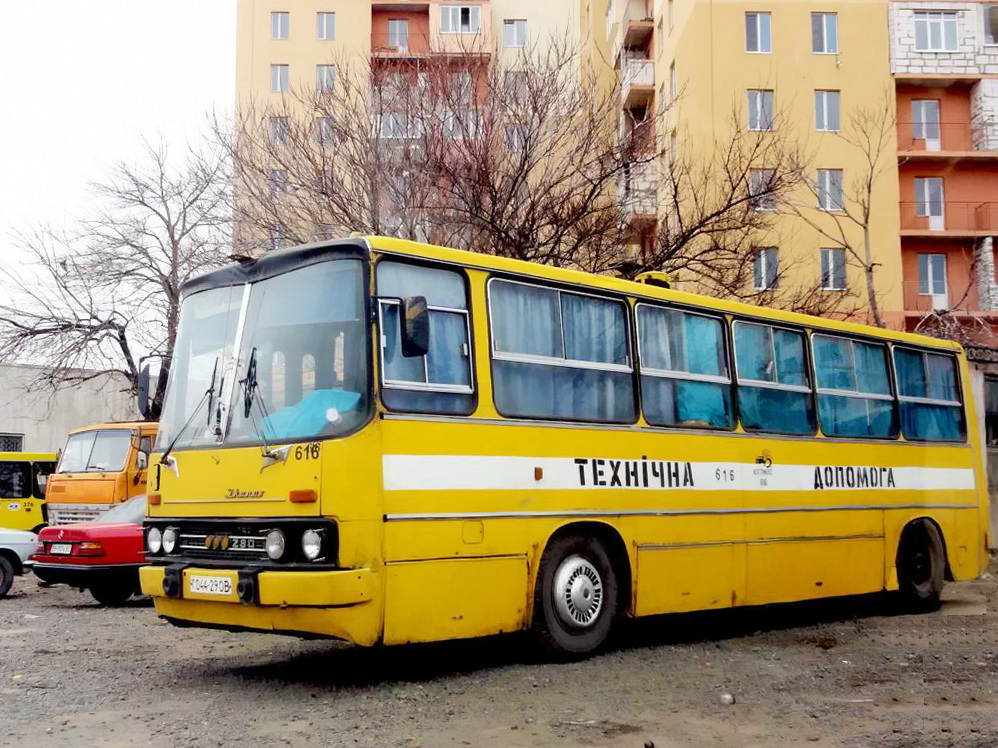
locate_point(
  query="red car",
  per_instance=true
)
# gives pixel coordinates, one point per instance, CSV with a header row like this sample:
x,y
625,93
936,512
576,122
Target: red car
x,y
103,555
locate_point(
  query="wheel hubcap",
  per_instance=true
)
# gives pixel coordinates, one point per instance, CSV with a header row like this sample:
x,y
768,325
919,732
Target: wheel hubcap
x,y
578,592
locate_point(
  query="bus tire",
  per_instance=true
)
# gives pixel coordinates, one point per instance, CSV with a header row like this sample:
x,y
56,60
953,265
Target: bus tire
x,y
575,598
921,566
112,594
6,576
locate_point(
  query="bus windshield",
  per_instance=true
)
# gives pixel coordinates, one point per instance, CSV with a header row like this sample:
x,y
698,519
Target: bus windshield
x,y
96,451
302,360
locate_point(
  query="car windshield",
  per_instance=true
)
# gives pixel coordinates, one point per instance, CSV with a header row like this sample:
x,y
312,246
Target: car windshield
x,y
133,511
304,333
96,451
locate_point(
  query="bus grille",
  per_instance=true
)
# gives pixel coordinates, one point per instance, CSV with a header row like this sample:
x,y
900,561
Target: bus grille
x,y
235,544
66,514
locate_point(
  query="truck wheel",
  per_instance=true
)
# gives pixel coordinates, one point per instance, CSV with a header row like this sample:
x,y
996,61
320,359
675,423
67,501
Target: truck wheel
x,y
111,594
575,601
6,576
921,566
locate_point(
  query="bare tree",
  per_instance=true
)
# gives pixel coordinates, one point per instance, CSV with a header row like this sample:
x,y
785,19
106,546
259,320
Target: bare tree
x,y
846,213
94,299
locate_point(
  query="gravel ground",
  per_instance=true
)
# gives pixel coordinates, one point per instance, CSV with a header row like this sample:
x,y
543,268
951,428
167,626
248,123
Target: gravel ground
x,y
846,672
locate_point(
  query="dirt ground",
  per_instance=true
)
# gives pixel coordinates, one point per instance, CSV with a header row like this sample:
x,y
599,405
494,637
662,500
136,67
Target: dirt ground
x,y
847,672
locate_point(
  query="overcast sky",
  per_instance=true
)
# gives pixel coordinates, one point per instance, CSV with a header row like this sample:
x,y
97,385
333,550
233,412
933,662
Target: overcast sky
x,y
86,80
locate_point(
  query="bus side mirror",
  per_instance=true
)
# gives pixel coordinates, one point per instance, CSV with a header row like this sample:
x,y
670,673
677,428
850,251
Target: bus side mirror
x,y
415,327
142,392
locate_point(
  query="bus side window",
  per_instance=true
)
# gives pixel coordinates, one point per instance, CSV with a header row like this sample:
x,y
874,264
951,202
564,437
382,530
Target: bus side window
x,y
440,381
774,393
560,355
15,480
684,369
929,395
42,472
854,390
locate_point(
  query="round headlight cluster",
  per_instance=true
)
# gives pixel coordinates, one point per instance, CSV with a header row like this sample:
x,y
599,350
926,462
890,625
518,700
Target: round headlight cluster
x,y
275,545
154,540
169,539
311,544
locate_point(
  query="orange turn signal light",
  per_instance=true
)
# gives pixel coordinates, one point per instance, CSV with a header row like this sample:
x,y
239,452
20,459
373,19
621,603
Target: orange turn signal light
x,y
154,499
303,496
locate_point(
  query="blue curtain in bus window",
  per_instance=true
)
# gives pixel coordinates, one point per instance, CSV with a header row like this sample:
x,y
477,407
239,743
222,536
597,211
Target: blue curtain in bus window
x,y
859,368
780,411
872,374
833,363
754,352
526,319
595,329
446,362
790,366
932,376
772,355
704,345
856,416
531,390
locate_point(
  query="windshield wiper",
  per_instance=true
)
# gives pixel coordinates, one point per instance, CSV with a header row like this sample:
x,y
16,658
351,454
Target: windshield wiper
x,y
251,396
205,398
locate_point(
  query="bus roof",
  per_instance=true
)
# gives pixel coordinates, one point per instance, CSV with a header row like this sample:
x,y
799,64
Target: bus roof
x,y
148,425
291,258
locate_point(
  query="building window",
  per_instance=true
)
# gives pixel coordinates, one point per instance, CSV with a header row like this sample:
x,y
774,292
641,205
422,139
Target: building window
x,y
514,33
826,111
991,24
673,82
277,182
932,278
398,33
462,124
825,33
935,31
278,131
278,78
516,85
280,25
609,18
925,122
325,78
765,267
833,269
460,19
325,26
830,189
323,130
760,110
11,442
462,87
929,201
672,14
761,190
516,137
758,33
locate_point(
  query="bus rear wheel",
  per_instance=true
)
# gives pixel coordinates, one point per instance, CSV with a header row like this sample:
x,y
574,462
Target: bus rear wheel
x,y
575,599
921,566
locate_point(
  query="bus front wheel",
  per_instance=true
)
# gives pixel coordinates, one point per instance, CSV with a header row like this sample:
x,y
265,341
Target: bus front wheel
x,y
575,600
921,566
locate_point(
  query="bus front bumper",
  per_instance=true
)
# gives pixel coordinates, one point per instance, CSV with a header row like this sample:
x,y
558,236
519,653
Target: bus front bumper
x,y
312,589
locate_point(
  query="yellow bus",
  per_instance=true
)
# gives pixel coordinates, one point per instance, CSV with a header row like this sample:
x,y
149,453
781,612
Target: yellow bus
x,y
23,476
387,442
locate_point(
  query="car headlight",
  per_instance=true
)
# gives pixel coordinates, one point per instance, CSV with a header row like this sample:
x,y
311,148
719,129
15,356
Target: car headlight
x,y
311,544
275,545
169,539
154,540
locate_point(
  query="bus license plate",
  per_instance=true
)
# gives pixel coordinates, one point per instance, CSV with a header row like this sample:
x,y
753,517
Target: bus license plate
x,y
210,585
62,549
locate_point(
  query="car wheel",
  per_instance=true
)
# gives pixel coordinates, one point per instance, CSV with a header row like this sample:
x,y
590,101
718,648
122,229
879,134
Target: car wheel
x,y
6,576
575,600
921,566
112,594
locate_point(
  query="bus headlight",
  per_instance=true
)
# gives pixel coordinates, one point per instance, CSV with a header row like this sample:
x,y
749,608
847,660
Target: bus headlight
x,y
154,540
275,545
169,539
311,544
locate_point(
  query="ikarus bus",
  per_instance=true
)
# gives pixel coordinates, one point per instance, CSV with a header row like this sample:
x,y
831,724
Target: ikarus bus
x,y
385,442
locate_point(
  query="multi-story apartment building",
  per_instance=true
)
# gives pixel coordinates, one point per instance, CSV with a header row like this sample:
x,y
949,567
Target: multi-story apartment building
x,y
944,59
795,66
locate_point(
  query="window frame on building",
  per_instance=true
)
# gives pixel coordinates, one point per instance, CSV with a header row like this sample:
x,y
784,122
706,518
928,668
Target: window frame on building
x,y
946,25
990,20
447,19
325,26
760,25
278,130
762,197
823,113
765,268
280,25
325,78
398,33
280,78
823,42
514,33
833,269
830,190
760,102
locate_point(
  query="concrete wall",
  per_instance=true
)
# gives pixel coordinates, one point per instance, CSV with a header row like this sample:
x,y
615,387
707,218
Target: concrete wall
x,y
44,418
971,57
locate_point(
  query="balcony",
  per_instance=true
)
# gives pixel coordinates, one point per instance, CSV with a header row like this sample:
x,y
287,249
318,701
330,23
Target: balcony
x,y
949,219
637,192
636,27
637,86
399,45
948,141
917,303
